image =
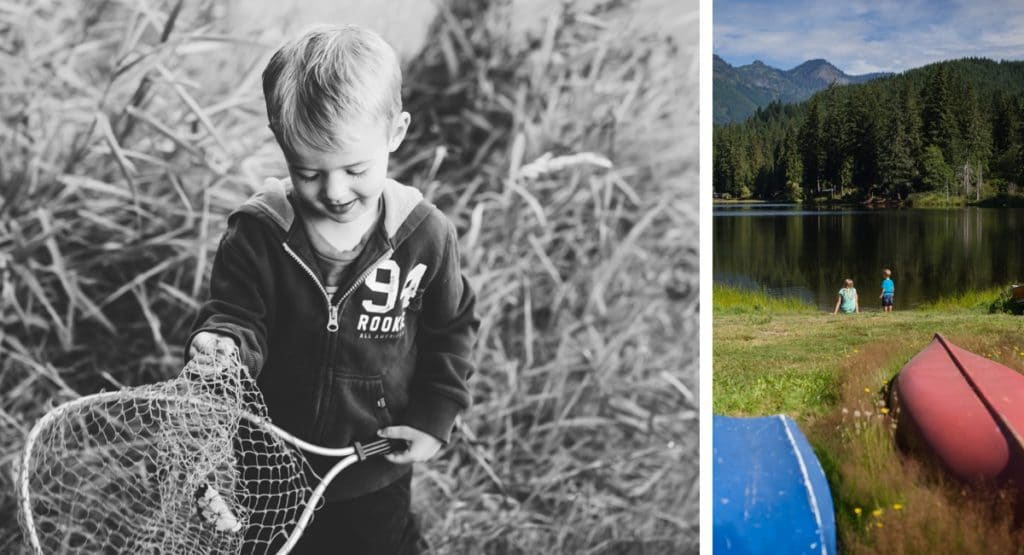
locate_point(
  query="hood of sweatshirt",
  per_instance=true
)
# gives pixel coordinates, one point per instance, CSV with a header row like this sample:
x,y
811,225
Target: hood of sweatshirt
x,y
273,203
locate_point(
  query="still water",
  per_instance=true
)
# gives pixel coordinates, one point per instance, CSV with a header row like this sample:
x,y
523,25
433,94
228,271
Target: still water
x,y
789,250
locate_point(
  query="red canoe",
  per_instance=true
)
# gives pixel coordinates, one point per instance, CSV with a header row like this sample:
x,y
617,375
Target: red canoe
x,y
964,410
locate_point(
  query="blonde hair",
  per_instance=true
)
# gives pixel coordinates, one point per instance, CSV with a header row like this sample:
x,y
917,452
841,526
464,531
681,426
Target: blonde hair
x,y
848,282
329,75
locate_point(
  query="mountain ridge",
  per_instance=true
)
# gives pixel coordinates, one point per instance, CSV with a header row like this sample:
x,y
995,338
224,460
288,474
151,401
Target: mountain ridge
x,y
738,91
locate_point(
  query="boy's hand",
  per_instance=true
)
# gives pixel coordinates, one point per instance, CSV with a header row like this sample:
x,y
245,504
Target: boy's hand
x,y
212,344
422,446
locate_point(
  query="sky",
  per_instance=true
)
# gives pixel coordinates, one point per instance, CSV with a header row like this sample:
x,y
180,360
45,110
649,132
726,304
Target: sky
x,y
865,36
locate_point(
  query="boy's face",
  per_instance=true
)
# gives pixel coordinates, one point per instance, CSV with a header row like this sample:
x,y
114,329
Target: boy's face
x,y
344,184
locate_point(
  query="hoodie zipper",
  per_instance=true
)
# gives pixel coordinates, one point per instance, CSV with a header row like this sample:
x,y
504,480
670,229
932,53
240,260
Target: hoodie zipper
x,y
332,311
332,317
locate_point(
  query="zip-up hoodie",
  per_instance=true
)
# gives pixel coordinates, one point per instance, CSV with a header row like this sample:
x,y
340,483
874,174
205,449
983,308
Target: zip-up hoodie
x,y
391,347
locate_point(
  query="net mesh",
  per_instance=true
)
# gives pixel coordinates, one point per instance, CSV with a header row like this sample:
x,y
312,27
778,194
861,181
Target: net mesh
x,y
182,466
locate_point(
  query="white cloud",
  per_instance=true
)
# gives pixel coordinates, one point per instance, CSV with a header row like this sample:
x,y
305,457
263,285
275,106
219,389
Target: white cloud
x,y
860,67
866,36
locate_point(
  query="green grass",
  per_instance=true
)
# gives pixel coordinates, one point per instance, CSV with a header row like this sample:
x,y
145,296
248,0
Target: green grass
x,y
973,300
829,372
936,199
131,134
989,198
733,300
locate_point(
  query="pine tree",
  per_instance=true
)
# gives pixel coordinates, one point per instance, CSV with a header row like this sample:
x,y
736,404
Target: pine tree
x,y
896,161
838,170
732,173
939,125
1019,174
1006,117
936,173
975,132
911,114
862,143
1004,122
722,162
792,168
812,152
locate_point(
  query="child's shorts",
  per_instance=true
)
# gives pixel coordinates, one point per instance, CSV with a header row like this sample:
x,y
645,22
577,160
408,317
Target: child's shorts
x,y
887,299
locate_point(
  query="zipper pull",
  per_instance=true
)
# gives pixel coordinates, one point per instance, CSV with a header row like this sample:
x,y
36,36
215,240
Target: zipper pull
x,y
332,321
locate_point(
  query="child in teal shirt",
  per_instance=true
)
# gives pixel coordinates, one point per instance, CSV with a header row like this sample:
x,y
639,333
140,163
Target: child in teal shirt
x,y
846,299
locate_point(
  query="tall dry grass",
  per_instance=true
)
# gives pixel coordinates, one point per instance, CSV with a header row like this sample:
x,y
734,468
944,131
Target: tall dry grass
x,y
130,129
889,501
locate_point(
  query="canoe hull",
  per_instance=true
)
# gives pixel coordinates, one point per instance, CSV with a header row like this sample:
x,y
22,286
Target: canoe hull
x,y
963,411
769,490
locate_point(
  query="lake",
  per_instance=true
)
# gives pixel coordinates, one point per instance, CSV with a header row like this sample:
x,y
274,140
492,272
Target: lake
x,y
794,251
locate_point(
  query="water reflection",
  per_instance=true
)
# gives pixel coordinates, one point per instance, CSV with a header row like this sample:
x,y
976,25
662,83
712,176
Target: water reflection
x,y
776,209
807,253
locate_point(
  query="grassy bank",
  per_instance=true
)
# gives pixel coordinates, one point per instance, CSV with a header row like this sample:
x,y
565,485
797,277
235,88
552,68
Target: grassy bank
x,y
989,198
731,300
829,372
980,301
135,128
937,199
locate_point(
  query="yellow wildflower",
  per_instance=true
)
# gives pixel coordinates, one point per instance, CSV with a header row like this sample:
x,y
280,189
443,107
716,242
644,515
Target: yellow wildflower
x,y
867,390
883,410
897,506
879,524
857,511
877,512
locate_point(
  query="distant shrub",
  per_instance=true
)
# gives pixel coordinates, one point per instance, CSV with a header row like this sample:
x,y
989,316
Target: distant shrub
x,y
794,192
931,199
1005,303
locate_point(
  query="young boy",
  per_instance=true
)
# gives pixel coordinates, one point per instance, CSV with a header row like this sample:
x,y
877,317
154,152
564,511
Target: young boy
x,y
888,290
341,289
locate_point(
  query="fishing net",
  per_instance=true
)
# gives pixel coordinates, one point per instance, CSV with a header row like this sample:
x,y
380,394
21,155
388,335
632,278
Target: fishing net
x,y
189,465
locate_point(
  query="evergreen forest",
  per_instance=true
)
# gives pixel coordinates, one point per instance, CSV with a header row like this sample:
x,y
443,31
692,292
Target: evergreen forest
x,y
951,129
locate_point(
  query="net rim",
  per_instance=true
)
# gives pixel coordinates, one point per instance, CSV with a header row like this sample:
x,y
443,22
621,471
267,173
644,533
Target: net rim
x,y
45,422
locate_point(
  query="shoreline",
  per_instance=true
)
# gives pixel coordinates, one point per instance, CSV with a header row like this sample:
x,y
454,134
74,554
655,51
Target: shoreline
x,y
921,202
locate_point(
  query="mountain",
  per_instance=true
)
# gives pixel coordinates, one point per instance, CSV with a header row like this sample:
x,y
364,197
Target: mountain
x,y
739,91
819,74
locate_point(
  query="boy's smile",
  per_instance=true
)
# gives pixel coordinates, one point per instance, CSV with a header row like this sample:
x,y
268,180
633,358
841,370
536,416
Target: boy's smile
x,y
344,185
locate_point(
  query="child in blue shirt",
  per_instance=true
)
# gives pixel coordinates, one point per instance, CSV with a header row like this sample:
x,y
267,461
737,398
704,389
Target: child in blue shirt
x,y
888,289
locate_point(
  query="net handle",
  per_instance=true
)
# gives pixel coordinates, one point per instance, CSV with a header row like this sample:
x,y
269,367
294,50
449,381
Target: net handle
x,y
307,512
58,411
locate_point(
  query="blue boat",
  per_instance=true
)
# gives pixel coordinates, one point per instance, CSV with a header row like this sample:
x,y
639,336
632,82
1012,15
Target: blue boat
x,y
770,493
